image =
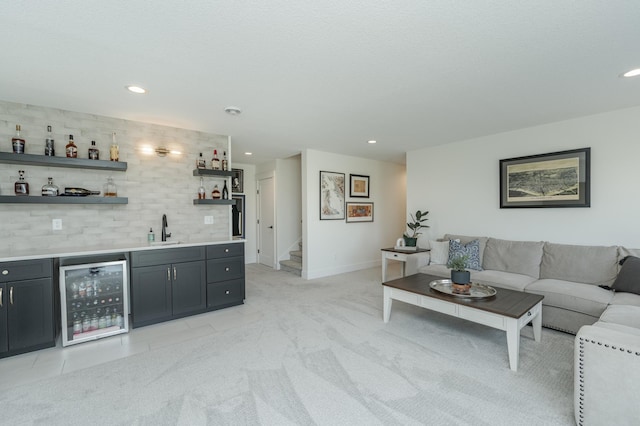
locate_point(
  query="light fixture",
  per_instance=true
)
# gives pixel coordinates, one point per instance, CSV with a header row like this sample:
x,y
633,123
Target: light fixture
x,y
162,151
632,73
371,142
248,153
136,89
232,110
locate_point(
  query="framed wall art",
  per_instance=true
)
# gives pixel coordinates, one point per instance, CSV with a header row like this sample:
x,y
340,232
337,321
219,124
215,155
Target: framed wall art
x,y
359,212
237,181
238,216
359,186
332,196
557,179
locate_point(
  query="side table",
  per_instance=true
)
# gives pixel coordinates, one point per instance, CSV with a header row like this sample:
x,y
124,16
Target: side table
x,y
411,260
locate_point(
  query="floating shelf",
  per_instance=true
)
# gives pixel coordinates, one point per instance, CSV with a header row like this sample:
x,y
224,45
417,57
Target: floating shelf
x,y
207,172
47,161
27,199
218,202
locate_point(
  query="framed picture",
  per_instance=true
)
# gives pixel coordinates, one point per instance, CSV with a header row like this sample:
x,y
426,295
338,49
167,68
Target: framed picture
x,y
331,196
237,216
237,181
359,212
359,186
557,179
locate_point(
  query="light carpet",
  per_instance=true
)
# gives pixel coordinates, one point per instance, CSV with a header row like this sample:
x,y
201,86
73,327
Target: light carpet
x,y
317,352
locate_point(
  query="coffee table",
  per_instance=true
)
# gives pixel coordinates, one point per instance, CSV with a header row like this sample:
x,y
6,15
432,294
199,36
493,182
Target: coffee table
x,y
508,310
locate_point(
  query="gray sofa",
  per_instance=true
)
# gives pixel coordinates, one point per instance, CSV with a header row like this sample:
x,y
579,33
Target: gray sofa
x,y
606,323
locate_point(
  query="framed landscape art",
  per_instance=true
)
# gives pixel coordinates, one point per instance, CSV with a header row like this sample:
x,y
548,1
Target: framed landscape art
x,y
359,186
557,179
332,196
359,212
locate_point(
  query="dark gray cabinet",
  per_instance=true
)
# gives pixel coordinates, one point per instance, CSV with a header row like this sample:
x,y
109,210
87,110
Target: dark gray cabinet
x,y
167,284
225,275
27,320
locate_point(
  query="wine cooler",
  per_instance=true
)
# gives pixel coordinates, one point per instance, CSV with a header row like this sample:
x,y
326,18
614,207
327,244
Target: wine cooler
x,y
93,301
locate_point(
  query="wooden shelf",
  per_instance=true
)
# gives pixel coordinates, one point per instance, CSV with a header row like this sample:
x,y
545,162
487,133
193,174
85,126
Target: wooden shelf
x,y
218,202
74,163
31,199
207,172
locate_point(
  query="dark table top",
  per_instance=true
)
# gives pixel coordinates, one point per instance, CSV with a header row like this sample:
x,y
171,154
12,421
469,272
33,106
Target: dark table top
x,y
506,302
419,250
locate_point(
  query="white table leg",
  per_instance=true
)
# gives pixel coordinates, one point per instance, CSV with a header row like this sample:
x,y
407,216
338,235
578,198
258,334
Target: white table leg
x,y
384,268
404,268
513,342
386,304
537,325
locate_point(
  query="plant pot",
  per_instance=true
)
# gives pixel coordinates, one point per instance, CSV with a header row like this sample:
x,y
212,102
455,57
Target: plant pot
x,y
460,277
410,241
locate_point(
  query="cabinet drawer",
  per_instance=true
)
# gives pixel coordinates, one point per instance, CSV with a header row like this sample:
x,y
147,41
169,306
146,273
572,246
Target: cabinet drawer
x,y
438,305
225,269
163,256
225,293
25,270
482,317
225,250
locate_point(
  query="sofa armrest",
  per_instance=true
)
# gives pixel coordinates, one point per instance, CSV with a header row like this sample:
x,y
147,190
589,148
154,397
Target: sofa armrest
x,y
606,375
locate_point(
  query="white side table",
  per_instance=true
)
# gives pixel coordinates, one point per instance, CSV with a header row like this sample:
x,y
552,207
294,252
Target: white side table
x,y
411,260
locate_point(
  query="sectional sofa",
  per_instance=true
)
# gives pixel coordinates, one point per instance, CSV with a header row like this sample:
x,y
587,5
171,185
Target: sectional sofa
x,y
606,323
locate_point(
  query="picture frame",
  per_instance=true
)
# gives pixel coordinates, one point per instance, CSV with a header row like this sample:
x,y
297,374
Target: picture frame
x,y
556,179
237,181
359,212
358,186
238,216
332,195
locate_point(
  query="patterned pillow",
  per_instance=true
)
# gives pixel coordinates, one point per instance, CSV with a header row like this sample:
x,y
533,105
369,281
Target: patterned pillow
x,y
471,250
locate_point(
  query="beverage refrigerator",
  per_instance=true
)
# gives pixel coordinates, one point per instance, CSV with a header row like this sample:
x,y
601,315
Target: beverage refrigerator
x,y
93,301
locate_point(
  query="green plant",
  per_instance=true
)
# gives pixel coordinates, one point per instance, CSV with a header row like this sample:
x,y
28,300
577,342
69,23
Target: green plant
x,y
458,263
416,223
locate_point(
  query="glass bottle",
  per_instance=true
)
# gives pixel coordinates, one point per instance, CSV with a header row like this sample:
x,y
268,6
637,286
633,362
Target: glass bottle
x,y
225,191
114,150
201,192
110,189
94,153
49,149
21,187
215,161
215,194
71,148
200,162
18,142
50,190
225,162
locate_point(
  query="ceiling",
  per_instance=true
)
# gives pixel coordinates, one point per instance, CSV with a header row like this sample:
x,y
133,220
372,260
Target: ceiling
x,y
325,74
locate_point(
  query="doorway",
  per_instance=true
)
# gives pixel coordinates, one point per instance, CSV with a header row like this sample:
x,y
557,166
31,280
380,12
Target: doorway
x,y
266,222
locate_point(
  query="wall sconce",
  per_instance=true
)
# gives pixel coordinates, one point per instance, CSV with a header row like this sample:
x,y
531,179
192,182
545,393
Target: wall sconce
x,y
162,151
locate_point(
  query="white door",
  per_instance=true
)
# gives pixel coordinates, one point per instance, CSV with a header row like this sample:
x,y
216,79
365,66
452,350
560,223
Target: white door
x,y
266,222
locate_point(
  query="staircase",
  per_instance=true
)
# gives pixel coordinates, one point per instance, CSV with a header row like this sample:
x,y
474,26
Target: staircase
x,y
294,264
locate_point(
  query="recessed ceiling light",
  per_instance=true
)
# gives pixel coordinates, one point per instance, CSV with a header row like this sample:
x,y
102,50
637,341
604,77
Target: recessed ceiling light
x,y
136,89
248,153
372,142
632,73
233,110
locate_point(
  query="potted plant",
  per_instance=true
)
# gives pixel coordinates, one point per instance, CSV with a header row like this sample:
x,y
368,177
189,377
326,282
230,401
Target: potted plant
x,y
460,277
415,225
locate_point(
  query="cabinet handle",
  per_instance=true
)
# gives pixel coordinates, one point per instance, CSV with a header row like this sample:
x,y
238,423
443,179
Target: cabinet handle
x,y
226,250
1,298
5,272
168,274
175,273
227,292
11,295
226,269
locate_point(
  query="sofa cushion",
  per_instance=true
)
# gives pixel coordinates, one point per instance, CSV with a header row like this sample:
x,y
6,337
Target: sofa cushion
x,y
502,279
436,269
579,264
628,279
625,299
470,250
623,315
464,239
618,327
588,299
439,252
520,257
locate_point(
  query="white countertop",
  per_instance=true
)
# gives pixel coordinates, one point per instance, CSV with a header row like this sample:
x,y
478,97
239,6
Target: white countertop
x,y
88,251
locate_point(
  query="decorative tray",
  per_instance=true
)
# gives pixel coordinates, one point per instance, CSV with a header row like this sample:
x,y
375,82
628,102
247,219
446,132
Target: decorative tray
x,y
477,291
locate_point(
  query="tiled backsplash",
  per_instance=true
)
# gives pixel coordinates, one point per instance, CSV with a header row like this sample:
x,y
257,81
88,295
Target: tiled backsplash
x,y
154,185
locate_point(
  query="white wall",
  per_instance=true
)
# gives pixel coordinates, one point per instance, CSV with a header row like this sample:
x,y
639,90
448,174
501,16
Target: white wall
x,y
249,191
288,205
459,183
334,246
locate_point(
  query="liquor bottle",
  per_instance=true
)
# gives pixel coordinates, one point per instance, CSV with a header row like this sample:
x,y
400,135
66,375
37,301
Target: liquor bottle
x,y
94,153
200,162
110,189
21,187
80,192
71,148
49,190
215,161
201,192
215,194
48,144
225,162
151,237
114,150
225,191
17,142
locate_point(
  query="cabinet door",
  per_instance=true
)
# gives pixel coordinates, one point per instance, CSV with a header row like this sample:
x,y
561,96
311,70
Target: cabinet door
x,y
30,313
4,337
189,287
150,294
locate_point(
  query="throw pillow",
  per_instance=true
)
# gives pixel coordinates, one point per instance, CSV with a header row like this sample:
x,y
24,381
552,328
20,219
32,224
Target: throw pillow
x,y
628,279
439,252
471,250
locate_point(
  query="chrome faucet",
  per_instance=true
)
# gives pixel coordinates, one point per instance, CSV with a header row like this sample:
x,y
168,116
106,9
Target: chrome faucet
x,y
164,228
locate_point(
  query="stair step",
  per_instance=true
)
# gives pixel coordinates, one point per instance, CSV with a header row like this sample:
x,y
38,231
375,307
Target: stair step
x,y
296,255
291,266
